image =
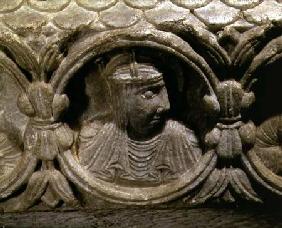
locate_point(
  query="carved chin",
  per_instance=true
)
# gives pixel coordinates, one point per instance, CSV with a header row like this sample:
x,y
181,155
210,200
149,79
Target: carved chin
x,y
150,127
154,126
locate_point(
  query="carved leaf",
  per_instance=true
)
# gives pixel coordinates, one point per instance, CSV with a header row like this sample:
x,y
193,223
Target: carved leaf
x,y
7,65
20,53
266,55
41,96
50,198
60,103
61,187
25,106
204,43
214,186
250,45
50,58
36,186
65,137
242,185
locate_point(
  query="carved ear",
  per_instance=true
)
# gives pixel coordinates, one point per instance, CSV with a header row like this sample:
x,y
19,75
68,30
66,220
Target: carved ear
x,y
247,100
211,104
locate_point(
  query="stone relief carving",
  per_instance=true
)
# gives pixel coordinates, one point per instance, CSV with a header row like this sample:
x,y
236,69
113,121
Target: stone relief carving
x,y
145,109
141,145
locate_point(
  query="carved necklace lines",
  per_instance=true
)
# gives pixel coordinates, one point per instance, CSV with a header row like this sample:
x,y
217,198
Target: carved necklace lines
x,y
142,155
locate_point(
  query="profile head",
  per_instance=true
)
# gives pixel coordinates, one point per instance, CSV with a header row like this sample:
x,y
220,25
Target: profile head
x,y
138,94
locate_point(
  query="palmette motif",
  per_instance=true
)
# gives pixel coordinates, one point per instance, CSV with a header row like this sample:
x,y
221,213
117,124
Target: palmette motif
x,y
136,104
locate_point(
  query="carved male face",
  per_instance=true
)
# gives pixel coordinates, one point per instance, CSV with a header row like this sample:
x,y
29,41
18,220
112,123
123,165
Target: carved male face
x,y
146,108
139,95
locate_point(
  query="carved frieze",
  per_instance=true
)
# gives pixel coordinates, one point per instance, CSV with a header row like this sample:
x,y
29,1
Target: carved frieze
x,y
128,102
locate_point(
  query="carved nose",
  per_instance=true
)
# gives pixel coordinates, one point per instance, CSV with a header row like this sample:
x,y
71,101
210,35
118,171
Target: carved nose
x,y
164,107
160,110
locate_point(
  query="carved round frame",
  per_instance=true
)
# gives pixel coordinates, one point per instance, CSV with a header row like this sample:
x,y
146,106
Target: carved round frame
x,y
87,49
252,162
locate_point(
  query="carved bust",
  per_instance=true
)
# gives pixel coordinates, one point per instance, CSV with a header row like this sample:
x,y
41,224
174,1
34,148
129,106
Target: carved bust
x,y
155,69
136,142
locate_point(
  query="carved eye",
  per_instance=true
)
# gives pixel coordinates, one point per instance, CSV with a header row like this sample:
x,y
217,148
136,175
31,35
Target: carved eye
x,y
149,94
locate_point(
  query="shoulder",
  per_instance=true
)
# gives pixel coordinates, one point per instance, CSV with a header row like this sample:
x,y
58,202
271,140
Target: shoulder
x,y
90,129
175,129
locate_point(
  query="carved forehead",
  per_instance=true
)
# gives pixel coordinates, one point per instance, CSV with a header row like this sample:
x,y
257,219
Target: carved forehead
x,y
128,68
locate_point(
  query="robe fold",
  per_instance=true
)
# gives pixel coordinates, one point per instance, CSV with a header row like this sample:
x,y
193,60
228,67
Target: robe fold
x,y
109,154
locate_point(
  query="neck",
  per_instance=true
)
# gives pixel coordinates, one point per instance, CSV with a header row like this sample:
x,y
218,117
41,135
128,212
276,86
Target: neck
x,y
143,136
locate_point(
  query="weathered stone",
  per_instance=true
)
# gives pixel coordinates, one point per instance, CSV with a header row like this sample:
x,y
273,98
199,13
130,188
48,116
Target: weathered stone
x,y
242,4
142,4
216,14
166,12
120,16
267,11
96,4
9,5
118,103
48,6
25,21
73,17
191,4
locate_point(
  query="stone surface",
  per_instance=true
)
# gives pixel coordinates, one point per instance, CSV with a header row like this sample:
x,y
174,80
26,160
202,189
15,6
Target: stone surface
x,y
120,15
267,11
7,5
166,12
216,14
143,4
73,17
48,6
117,103
242,4
25,20
250,9
191,4
148,218
96,4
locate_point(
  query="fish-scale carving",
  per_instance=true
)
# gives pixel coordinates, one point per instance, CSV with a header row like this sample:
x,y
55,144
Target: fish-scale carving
x,y
262,10
269,10
191,4
48,6
9,5
25,20
141,4
241,25
166,11
242,4
73,17
216,14
120,16
96,5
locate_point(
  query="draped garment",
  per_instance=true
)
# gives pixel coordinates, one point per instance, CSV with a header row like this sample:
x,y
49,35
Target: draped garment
x,y
109,154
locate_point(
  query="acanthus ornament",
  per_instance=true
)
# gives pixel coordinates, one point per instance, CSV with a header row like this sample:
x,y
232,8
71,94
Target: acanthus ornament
x,y
137,141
